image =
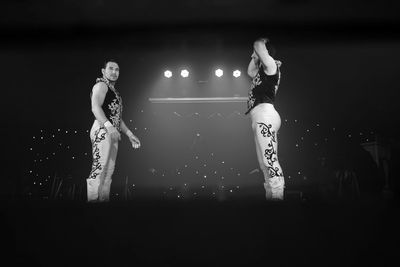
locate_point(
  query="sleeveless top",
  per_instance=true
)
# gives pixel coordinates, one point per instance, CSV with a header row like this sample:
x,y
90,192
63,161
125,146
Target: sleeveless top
x,y
112,105
263,87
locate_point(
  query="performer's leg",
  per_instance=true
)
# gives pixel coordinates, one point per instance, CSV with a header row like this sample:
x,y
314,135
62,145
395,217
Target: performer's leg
x,y
267,143
100,152
105,186
263,168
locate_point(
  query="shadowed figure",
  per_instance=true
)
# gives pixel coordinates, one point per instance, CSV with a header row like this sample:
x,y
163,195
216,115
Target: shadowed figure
x,y
356,172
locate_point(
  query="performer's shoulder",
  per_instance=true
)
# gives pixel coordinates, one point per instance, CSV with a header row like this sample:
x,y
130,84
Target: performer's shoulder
x,y
102,81
100,85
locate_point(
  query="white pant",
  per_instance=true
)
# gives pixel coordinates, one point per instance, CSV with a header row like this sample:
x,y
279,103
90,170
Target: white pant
x,y
104,152
266,122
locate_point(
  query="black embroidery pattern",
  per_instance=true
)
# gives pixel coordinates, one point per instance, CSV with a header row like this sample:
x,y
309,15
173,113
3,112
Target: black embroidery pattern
x,y
96,166
270,153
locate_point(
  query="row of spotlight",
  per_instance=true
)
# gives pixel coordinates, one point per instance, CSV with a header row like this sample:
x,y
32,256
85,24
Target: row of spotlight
x,y
218,72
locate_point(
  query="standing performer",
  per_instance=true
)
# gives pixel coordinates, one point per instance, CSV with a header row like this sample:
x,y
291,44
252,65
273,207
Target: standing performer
x,y
105,133
265,120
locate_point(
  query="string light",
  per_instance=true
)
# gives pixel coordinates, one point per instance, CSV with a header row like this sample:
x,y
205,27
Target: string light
x,y
204,162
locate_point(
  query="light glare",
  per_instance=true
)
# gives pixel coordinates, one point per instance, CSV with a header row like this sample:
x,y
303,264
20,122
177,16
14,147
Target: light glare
x,y
184,73
219,72
168,74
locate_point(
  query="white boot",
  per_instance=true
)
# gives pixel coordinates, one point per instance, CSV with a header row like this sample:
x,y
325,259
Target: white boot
x,y
276,187
92,190
268,192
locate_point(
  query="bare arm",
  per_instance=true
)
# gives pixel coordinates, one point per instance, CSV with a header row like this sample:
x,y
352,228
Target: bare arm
x,y
98,95
132,138
99,92
268,62
124,128
252,69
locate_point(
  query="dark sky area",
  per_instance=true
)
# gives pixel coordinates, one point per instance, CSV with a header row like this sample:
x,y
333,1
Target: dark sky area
x,y
339,58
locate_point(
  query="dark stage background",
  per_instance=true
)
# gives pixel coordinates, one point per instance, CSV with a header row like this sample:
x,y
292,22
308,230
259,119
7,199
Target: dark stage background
x,y
338,101
338,91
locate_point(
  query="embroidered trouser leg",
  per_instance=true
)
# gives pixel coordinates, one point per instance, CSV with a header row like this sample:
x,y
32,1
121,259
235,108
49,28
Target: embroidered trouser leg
x,y
104,152
104,189
265,124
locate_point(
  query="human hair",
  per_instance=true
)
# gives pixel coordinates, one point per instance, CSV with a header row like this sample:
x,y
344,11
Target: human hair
x,y
271,49
108,61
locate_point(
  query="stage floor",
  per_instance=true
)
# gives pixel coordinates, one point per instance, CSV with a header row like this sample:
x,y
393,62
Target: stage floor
x,y
200,233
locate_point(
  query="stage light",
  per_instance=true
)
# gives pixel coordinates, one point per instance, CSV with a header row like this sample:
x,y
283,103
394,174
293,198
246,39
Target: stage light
x,y
168,74
236,73
184,73
219,72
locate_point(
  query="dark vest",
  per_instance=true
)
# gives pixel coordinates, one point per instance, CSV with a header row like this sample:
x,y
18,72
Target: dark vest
x,y
112,105
263,87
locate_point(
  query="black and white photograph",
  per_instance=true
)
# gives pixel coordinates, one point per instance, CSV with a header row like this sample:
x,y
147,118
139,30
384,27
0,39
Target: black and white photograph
x,y
200,133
